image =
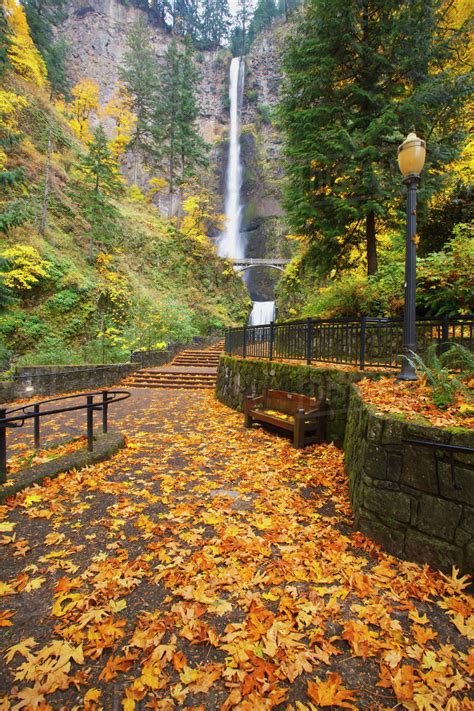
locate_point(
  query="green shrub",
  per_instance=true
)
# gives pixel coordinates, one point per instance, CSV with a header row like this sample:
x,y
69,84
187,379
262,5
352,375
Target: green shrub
x,y
437,370
265,113
251,95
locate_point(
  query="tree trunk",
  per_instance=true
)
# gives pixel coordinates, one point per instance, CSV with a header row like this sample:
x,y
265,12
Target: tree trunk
x,y
372,261
44,211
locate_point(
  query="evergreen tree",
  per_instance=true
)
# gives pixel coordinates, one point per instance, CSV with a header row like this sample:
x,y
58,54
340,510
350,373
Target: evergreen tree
x,y
178,147
359,75
43,16
286,7
100,181
4,41
240,39
264,14
98,166
138,73
214,23
6,295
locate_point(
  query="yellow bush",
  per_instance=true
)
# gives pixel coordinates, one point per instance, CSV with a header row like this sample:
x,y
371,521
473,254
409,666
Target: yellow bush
x,y
27,267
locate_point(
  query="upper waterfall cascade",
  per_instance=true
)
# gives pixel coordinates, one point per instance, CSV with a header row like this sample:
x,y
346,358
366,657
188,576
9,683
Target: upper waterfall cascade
x,y
232,243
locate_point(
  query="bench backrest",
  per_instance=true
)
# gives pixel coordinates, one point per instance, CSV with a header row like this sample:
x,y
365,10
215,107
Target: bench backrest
x,y
288,403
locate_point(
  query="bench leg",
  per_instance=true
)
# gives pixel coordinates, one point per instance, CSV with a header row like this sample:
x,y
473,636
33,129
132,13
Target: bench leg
x,y
298,435
248,421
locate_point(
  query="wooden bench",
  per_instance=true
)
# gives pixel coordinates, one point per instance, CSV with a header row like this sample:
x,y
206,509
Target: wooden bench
x,y
301,415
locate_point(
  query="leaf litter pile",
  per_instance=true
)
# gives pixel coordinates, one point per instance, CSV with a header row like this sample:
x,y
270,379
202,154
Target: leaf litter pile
x,y
413,400
210,567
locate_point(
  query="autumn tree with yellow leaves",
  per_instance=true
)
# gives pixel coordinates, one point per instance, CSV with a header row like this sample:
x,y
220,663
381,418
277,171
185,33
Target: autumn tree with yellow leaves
x,y
22,53
84,103
119,109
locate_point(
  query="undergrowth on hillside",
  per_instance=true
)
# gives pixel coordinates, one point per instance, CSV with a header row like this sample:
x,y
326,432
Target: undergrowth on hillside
x,y
107,274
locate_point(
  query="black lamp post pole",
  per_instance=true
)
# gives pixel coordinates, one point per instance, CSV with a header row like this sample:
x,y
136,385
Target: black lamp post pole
x,y
409,319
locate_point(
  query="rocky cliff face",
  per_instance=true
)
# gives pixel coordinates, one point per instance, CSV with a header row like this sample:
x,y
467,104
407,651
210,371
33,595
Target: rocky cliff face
x,y
96,31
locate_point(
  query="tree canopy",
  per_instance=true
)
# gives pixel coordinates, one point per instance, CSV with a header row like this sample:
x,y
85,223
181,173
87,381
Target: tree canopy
x,y
356,83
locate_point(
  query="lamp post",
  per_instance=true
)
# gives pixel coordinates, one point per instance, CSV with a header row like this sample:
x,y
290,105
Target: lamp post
x,y
411,159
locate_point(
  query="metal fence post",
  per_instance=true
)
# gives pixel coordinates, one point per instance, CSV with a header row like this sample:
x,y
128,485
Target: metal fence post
x,y
363,322
105,412
444,333
244,343
3,448
270,345
309,340
36,426
90,423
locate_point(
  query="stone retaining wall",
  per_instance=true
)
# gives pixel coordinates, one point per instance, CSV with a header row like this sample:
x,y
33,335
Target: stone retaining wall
x,y
48,380
238,377
417,502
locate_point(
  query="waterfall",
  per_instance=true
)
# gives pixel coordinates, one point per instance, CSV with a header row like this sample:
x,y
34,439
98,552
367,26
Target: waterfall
x,y
231,243
263,312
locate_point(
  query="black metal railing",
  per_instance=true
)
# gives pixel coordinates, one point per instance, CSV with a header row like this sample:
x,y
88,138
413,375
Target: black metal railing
x,y
363,342
17,416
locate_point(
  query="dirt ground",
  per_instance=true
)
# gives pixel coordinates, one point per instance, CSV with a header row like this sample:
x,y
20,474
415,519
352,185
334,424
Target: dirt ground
x,y
211,567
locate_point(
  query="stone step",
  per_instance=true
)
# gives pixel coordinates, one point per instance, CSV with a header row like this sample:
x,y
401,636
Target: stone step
x,y
174,380
172,386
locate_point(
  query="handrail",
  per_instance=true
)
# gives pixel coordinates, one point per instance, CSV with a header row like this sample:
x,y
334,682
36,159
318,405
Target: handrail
x,y
439,445
65,409
18,420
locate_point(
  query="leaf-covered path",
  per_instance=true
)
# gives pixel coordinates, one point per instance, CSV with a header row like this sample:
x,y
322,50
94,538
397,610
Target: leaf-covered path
x,y
211,567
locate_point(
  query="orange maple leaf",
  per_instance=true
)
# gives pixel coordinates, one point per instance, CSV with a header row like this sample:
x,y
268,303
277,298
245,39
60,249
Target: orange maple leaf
x,y
331,692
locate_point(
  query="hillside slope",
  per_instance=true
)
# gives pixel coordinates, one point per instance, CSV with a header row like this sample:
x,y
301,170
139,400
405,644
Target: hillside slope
x,y
81,294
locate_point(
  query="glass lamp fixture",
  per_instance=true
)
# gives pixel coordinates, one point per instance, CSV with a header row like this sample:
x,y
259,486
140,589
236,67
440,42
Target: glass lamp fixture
x,y
411,155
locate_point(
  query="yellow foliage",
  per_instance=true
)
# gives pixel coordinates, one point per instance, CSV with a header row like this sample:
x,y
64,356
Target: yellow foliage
x,y
115,289
199,215
155,186
119,108
10,106
27,267
23,55
84,103
135,194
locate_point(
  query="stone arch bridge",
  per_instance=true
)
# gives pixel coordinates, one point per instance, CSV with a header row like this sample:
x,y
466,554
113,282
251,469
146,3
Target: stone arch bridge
x,y
242,265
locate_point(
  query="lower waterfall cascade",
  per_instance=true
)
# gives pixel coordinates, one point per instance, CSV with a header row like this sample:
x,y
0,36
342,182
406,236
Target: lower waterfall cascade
x,y
263,312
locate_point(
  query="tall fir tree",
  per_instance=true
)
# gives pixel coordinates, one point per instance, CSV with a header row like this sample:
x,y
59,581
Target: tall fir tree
x,y
359,75
139,74
265,13
240,39
43,17
178,147
214,23
100,181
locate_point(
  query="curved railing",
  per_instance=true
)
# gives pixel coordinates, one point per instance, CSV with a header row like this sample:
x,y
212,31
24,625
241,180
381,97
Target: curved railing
x,y
17,416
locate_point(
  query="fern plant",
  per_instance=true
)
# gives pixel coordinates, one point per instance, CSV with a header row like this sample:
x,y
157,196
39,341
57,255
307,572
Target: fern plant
x,y
437,371
459,358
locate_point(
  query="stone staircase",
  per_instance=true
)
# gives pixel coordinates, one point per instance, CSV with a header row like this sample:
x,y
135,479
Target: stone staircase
x,y
190,370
